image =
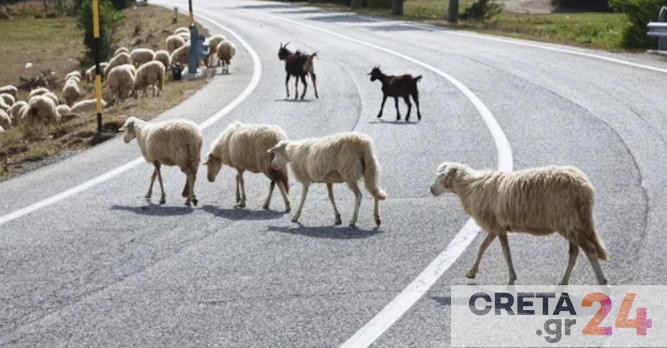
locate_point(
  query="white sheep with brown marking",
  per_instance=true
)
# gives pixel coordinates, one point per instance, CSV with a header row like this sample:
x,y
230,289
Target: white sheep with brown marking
x,y
538,201
120,59
340,158
244,147
171,143
174,42
10,90
120,82
140,56
149,74
225,51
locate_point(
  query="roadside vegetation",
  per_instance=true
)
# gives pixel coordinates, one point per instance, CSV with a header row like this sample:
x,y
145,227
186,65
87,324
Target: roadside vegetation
x,y
48,40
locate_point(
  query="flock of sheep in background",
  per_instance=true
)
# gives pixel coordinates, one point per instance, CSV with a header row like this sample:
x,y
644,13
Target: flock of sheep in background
x,y
127,74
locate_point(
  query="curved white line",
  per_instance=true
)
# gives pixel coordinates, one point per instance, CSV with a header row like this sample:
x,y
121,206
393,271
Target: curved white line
x,y
254,81
418,287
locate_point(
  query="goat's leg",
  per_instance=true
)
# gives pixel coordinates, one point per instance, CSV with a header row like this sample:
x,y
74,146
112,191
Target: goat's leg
x,y
593,258
314,78
305,86
333,203
415,96
384,99
268,199
508,257
304,193
407,101
150,187
163,196
398,113
283,192
287,84
296,87
574,252
482,249
352,184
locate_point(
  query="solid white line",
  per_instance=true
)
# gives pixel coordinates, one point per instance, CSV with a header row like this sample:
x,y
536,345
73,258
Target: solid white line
x,y
415,290
254,81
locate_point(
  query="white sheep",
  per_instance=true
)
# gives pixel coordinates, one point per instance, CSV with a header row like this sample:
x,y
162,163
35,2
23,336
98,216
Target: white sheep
x,y
3,105
5,120
8,98
86,106
70,92
164,57
139,56
63,110
244,147
120,50
120,81
180,55
52,96
14,113
538,201
343,157
120,59
213,43
175,142
174,42
1,129
182,30
10,90
149,74
41,112
226,51
75,74
37,91
90,73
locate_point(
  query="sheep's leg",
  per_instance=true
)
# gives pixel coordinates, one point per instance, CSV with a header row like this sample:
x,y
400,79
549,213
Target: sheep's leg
x,y
407,101
508,257
574,252
314,78
482,249
357,195
376,212
287,84
159,177
384,99
190,182
240,194
593,258
150,188
283,192
398,113
333,203
304,193
305,86
268,199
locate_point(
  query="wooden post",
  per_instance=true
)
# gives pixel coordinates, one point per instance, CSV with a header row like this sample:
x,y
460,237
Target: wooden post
x,y
98,73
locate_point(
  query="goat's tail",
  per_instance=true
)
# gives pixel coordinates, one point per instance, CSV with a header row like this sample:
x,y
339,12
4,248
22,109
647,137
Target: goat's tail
x,y
416,79
372,174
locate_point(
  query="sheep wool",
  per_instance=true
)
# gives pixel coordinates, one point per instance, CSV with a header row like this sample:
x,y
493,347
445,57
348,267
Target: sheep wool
x,y
172,143
174,42
70,92
164,57
9,89
8,98
244,147
120,50
120,81
139,56
5,120
63,110
226,51
180,55
213,43
86,106
41,112
538,201
149,74
13,112
90,73
37,91
120,59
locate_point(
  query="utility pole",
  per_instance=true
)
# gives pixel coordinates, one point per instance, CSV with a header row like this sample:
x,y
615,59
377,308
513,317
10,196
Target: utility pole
x,y
98,73
453,12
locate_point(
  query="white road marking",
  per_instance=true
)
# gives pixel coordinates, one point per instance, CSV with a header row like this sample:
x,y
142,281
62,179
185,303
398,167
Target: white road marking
x,y
415,290
257,72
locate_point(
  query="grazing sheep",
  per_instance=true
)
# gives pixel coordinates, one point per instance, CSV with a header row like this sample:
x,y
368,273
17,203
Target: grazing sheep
x,y
73,79
164,57
174,42
244,147
4,106
75,73
14,113
63,110
5,120
213,43
120,81
41,112
120,59
52,96
180,55
149,74
298,64
185,36
70,92
120,50
538,201
176,142
398,86
140,56
37,91
90,73
10,90
182,30
226,51
8,98
344,157
86,106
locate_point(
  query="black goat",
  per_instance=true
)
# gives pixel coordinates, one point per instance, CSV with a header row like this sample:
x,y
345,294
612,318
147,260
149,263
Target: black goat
x,y
398,86
298,64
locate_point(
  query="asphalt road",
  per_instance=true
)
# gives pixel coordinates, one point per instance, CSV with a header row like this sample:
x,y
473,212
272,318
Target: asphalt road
x,y
102,267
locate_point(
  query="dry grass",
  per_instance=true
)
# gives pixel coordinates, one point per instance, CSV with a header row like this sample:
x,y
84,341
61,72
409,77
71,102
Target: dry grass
x,y
144,26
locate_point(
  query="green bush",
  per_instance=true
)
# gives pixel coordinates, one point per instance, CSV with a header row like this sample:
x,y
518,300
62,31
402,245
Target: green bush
x,y
639,13
110,20
482,10
591,5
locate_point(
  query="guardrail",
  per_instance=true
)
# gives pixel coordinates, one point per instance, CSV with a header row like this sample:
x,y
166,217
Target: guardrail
x,y
659,29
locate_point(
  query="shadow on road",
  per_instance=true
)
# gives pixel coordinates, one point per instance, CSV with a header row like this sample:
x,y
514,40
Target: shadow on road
x,y
442,300
243,213
328,232
394,122
344,18
155,210
268,6
292,100
397,28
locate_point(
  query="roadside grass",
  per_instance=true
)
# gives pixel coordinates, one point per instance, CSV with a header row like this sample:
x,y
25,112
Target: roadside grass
x,y
54,44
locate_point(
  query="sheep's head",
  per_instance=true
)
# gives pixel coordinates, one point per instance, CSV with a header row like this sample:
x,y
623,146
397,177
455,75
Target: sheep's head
x,y
375,73
446,174
214,164
128,130
283,52
279,153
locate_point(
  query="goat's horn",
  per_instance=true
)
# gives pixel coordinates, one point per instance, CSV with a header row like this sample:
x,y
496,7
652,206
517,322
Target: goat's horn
x,y
287,43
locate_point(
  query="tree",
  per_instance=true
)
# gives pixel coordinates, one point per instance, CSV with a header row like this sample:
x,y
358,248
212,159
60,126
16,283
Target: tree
x,y
639,13
109,20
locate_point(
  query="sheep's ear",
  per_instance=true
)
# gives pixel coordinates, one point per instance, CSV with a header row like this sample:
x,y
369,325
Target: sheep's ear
x,y
275,149
205,161
451,172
